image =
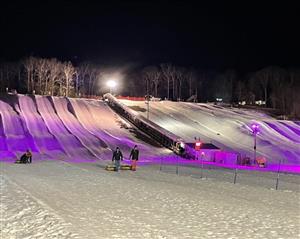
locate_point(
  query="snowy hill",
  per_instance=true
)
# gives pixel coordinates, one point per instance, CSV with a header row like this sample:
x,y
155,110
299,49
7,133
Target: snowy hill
x,y
84,130
228,128
63,128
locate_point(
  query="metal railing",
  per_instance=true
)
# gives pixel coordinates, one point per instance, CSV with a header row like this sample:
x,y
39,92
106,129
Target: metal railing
x,y
276,180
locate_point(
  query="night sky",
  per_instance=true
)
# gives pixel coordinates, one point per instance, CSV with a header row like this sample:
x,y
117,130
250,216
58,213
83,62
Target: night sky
x,y
214,35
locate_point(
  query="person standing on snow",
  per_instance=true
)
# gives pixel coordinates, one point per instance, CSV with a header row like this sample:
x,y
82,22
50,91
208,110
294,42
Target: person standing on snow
x,y
134,155
117,156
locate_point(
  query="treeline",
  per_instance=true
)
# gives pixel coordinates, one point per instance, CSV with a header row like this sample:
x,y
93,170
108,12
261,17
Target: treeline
x,y
273,86
49,77
276,87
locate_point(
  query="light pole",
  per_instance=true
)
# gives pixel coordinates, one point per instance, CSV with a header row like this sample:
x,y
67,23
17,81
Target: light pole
x,y
111,84
255,132
202,156
148,105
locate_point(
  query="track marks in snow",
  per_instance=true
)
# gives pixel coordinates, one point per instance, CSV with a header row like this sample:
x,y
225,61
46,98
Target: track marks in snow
x,y
24,216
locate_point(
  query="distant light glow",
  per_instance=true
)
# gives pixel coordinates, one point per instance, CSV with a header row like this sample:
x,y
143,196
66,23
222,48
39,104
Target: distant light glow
x,y
182,145
111,83
198,144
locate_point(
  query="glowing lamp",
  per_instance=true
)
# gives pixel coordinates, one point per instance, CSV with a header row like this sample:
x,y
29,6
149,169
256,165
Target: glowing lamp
x,y
255,132
111,83
255,128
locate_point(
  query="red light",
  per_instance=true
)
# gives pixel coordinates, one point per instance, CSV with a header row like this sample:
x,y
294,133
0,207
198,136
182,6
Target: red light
x,y
197,145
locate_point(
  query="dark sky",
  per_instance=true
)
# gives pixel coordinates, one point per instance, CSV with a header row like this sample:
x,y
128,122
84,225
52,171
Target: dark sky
x,y
244,36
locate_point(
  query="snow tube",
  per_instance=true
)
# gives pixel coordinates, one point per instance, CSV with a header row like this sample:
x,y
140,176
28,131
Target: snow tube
x,y
126,167
110,168
122,167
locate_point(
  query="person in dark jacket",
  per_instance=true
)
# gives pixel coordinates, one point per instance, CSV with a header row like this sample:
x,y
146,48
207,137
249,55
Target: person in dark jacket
x,y
26,157
23,158
117,157
29,156
134,156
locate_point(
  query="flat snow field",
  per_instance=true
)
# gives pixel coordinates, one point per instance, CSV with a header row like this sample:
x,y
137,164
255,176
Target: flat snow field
x,y
57,199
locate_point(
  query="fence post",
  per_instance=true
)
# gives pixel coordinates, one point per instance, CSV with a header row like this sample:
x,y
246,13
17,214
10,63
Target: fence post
x,y
201,166
235,171
278,174
235,174
177,164
160,166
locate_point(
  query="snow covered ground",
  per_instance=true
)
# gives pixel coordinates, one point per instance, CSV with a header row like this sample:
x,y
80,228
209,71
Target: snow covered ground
x,y
227,128
58,199
66,193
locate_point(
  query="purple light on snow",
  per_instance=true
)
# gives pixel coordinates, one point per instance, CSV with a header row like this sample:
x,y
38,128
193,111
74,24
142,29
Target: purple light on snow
x,y
297,131
283,133
255,128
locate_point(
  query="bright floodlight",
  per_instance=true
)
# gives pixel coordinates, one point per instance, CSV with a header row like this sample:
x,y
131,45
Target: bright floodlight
x,y
111,84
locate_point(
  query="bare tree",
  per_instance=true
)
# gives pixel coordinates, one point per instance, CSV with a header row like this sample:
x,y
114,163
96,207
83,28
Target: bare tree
x,y
173,78
55,74
279,88
41,71
146,75
94,76
29,64
152,76
239,90
265,76
10,73
191,81
223,86
293,96
83,74
87,77
230,77
91,77
180,77
5,72
68,74
167,70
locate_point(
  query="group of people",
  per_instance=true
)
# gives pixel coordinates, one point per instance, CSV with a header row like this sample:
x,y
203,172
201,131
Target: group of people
x,y
118,156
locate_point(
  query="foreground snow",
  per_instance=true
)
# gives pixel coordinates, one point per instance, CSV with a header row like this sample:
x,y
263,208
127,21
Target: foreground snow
x,y
56,199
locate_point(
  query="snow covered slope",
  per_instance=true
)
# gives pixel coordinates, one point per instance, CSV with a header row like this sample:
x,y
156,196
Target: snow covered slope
x,y
68,129
82,129
228,128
